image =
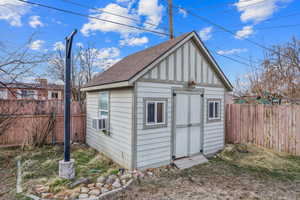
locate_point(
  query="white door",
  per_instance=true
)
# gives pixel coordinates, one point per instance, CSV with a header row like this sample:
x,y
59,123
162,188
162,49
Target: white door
x,y
187,127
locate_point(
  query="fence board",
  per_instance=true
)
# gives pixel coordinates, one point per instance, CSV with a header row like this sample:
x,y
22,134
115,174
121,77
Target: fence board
x,y
273,127
27,115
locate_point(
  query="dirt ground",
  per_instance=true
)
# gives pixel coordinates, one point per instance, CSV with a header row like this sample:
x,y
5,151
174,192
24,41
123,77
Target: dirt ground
x,y
215,180
238,172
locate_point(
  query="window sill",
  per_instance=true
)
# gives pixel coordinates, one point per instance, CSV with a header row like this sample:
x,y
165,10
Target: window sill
x,y
155,126
213,120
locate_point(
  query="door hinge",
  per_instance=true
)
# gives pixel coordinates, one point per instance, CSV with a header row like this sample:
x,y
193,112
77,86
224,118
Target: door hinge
x,y
174,94
202,95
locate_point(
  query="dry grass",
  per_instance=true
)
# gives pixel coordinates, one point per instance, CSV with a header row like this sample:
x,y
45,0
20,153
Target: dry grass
x,y
40,166
232,174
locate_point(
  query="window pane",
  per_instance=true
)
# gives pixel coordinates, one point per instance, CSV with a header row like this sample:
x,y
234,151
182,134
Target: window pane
x,y
150,113
160,112
103,114
216,109
211,110
103,101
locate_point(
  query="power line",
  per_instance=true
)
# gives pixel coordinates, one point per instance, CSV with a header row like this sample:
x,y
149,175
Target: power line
x,y
92,17
108,12
227,30
267,28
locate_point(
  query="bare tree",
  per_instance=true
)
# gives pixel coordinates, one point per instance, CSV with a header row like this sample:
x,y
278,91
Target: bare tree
x,y
85,63
279,73
18,63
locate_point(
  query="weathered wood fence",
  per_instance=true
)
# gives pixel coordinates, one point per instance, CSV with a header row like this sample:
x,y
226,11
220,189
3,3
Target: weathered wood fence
x,y
26,117
272,126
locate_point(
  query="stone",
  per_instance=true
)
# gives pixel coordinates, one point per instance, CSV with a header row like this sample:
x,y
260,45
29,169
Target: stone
x,y
67,169
41,189
104,190
92,197
101,179
84,190
78,182
99,185
126,177
150,173
74,196
111,179
47,195
92,185
83,196
116,184
95,192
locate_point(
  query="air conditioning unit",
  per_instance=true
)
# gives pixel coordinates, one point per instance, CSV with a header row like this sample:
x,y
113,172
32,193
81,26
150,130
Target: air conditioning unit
x,y
100,124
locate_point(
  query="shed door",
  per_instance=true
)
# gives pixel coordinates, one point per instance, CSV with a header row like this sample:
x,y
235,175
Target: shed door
x,y
188,115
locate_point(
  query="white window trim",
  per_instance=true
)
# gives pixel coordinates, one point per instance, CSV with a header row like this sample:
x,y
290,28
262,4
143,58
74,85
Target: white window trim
x,y
219,109
155,124
102,110
4,94
155,113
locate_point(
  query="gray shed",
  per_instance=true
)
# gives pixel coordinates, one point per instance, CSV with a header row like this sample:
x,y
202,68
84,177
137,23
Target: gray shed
x,y
163,103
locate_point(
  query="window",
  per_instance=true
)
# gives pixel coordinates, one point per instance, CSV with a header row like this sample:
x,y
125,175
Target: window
x,y
101,122
103,105
214,109
3,94
28,94
155,113
54,95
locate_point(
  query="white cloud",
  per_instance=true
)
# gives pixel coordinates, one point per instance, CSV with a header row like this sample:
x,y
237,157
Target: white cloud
x,y
97,25
58,46
152,11
205,33
231,51
258,10
134,41
244,33
35,21
79,44
12,11
183,12
105,57
36,45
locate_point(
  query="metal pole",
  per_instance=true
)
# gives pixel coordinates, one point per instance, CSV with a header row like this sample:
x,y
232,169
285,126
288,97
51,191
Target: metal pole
x,y
67,98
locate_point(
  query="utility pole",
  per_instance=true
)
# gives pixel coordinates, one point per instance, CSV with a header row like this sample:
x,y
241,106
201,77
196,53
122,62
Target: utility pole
x,y
171,19
66,166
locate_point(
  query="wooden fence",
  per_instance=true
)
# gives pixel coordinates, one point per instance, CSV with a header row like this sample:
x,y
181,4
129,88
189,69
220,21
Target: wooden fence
x,y
272,126
27,116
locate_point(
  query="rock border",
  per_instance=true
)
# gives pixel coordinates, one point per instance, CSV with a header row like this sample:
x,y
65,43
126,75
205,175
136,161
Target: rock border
x,y
102,196
112,192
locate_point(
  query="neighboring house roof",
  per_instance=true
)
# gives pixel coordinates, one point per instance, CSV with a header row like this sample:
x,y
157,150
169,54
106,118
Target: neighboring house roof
x,y
127,68
19,85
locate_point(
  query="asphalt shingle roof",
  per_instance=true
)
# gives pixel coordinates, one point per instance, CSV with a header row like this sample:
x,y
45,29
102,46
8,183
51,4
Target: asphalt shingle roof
x,y
129,66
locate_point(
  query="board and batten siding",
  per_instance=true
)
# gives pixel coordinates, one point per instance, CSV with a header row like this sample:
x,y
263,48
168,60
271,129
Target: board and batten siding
x,y
118,145
184,64
154,145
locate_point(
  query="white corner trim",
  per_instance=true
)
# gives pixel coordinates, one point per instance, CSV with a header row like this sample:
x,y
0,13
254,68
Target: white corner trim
x,y
107,86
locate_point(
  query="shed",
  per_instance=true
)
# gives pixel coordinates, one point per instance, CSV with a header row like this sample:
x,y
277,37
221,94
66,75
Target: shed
x,y
163,103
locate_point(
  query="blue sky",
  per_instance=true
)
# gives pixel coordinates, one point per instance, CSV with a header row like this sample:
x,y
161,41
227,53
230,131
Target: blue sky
x,y
263,21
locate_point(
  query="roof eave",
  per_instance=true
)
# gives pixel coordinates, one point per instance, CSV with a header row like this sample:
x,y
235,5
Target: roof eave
x,y
107,86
